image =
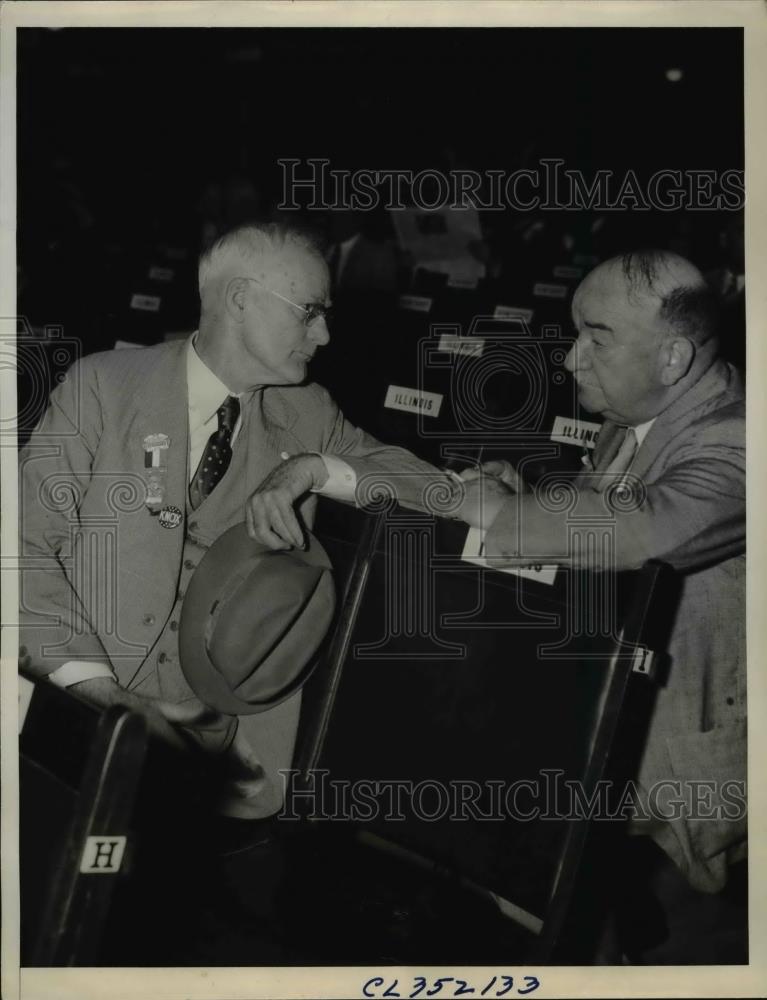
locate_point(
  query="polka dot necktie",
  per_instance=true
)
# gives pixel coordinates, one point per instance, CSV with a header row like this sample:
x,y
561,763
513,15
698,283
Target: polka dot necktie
x,y
217,454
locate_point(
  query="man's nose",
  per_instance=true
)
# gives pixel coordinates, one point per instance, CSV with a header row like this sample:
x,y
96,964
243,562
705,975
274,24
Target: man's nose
x,y
319,332
577,357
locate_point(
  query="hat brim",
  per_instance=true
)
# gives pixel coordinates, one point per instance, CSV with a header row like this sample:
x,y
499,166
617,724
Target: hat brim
x,y
287,665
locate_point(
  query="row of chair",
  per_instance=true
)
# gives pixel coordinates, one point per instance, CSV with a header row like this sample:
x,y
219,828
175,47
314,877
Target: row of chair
x,y
438,671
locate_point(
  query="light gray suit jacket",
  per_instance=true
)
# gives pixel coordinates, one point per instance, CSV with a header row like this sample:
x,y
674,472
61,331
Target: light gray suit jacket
x,y
691,467
99,572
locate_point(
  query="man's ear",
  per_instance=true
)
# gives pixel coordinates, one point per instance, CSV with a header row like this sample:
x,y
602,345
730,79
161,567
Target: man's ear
x,y
678,355
234,298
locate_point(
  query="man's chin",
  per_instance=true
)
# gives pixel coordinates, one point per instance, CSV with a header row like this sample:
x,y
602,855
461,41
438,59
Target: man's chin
x,y
296,373
590,399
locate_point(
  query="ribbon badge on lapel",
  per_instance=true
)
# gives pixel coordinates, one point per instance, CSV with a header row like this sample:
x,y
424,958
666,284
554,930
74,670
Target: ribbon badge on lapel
x,y
155,470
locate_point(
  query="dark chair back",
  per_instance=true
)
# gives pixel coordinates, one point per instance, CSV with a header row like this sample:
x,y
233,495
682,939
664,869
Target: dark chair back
x,y
79,771
490,699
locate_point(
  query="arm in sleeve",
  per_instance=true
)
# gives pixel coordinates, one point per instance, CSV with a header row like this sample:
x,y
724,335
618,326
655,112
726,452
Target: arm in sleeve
x,y
341,483
381,467
692,516
54,474
76,671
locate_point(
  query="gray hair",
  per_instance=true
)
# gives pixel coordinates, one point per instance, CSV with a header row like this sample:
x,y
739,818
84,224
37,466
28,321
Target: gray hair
x,y
687,304
247,243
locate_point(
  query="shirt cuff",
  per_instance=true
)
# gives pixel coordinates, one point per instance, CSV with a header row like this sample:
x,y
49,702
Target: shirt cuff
x,y
341,483
74,671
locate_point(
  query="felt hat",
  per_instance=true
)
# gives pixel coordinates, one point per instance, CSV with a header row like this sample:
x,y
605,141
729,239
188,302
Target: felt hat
x,y
252,620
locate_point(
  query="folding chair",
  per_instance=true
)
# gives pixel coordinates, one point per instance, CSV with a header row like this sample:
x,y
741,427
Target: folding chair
x,y
503,682
79,771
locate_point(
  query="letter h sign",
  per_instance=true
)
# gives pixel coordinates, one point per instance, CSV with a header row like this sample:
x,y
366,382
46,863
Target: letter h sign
x,y
102,855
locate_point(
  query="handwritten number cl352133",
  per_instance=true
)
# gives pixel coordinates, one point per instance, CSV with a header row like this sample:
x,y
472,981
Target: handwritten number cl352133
x,y
450,986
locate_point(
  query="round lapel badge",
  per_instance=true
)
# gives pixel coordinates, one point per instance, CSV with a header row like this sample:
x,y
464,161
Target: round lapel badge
x,y
170,517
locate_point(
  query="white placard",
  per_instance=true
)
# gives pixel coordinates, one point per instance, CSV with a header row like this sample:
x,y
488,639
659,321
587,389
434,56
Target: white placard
x,y
583,433
102,855
164,274
513,312
458,281
473,550
399,397
563,271
145,303
545,291
415,303
453,344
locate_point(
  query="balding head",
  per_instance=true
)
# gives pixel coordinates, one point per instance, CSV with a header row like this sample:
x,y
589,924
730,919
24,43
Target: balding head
x,y
646,326
662,282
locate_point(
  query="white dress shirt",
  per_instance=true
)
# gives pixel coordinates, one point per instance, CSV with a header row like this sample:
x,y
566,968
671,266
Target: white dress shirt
x,y
206,393
641,431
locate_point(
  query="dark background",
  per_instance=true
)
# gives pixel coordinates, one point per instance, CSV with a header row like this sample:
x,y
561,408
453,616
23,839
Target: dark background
x,y
130,139
147,115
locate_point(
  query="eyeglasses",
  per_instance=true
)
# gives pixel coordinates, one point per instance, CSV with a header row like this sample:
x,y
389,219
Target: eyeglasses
x,y
312,310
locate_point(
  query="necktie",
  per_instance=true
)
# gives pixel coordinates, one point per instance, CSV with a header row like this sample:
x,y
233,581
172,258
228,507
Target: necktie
x,y
612,470
217,454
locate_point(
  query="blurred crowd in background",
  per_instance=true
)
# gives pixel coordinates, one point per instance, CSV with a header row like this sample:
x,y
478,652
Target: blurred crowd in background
x,y
138,147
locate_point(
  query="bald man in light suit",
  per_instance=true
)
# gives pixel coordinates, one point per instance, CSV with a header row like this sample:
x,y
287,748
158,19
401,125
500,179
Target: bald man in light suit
x,y
646,359
116,512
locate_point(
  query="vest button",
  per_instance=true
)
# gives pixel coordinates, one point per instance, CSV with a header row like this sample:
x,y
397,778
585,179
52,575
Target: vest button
x,y
189,564
148,619
730,701
181,595
162,657
174,626
192,525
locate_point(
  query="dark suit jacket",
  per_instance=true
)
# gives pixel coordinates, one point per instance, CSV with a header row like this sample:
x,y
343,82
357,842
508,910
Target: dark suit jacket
x,y
691,469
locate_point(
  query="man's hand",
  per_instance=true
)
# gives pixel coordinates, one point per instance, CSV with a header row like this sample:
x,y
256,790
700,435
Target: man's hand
x,y
161,717
483,498
269,512
498,469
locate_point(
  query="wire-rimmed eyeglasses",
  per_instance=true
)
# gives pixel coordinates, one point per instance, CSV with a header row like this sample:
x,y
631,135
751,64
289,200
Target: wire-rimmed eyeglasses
x,y
312,310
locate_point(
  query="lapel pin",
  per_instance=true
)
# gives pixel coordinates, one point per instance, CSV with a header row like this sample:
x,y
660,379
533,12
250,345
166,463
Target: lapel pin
x,y
155,470
170,517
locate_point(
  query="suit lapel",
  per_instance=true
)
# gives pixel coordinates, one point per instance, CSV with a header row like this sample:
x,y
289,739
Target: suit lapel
x,y
271,419
681,412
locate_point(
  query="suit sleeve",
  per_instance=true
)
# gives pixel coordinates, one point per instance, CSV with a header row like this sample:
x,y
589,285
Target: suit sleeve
x,y
54,474
692,516
383,469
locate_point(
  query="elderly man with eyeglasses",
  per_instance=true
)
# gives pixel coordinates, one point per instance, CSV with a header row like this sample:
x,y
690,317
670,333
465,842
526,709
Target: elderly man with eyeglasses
x,y
175,444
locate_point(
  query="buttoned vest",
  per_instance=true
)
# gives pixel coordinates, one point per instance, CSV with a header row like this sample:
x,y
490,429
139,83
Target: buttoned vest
x,y
160,674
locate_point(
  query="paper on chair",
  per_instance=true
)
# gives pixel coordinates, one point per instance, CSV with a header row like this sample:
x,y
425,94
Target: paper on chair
x,y
473,553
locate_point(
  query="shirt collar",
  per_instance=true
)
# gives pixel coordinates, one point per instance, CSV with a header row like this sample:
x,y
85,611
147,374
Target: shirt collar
x,y
206,390
641,431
